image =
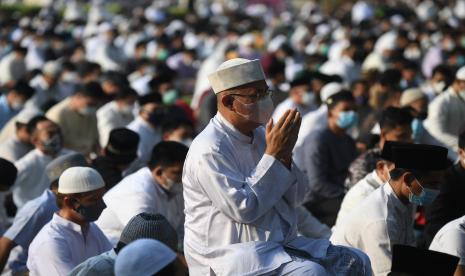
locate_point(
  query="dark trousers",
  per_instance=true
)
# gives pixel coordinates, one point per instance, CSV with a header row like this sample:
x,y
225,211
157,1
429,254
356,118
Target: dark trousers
x,y
325,209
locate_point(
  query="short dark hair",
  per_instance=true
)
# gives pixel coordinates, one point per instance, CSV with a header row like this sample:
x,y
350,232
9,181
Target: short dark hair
x,y
342,96
92,90
125,93
22,88
175,123
32,124
167,153
153,97
393,117
443,69
462,140
85,68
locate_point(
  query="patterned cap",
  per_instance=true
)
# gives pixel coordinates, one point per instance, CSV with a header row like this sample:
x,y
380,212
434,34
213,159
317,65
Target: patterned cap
x,y
150,226
55,168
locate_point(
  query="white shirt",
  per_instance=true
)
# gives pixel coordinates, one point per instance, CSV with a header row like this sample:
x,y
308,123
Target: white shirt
x,y
13,149
446,118
110,117
149,137
451,239
314,120
61,245
240,204
135,194
375,225
357,194
32,179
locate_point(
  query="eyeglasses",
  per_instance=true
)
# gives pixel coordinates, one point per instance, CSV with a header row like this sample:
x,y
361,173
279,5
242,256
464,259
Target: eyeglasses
x,y
256,97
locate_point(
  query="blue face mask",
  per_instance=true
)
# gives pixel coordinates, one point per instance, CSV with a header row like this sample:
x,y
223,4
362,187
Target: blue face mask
x,y
426,197
417,129
347,119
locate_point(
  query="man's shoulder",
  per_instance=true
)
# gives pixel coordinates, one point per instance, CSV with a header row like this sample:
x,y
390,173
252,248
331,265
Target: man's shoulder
x,y
208,141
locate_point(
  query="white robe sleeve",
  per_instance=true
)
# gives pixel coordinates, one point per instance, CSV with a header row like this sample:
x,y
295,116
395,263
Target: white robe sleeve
x,y
437,121
53,259
296,195
377,246
243,198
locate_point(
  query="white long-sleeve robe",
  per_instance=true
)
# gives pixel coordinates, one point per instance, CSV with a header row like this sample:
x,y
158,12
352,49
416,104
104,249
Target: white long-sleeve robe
x,y
240,205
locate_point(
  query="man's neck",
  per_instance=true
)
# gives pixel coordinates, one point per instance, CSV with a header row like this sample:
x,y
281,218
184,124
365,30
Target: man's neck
x,y
66,214
397,188
335,129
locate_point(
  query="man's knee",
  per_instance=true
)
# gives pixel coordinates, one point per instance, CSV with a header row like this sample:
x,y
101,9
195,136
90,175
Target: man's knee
x,y
302,267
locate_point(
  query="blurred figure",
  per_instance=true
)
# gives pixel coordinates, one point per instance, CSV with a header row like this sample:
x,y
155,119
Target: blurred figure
x,y
13,67
178,130
13,101
20,144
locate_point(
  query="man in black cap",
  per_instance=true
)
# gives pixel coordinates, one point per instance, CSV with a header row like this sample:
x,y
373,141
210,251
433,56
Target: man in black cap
x,y
119,153
385,218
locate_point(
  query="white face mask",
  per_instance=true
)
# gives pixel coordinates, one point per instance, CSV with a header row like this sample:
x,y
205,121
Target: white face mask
x,y
127,109
88,110
439,87
17,105
259,112
172,186
308,98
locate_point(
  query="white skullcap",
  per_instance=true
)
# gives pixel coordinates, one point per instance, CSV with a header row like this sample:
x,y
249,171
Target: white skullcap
x,y
386,42
79,180
276,43
330,89
362,11
460,75
411,95
236,72
143,257
105,27
52,68
27,114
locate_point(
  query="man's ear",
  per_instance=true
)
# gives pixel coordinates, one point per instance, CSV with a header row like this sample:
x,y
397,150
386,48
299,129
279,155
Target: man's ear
x,y
461,153
227,101
158,171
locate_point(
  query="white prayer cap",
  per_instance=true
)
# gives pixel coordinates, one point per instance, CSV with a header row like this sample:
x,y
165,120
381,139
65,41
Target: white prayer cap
x,y
105,27
330,89
362,11
386,42
276,43
459,9
460,75
52,68
411,95
236,72
27,114
426,10
335,51
143,257
79,180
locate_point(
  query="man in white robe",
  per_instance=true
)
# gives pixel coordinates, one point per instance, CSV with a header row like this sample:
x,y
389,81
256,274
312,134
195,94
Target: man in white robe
x,y
241,189
386,217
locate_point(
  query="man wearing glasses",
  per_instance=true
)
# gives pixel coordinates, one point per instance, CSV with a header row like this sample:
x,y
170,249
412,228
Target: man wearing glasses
x,y
241,189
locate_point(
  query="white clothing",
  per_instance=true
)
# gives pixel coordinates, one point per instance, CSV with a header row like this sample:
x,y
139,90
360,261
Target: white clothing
x,y
135,194
357,194
375,225
240,205
314,120
289,104
110,57
309,226
61,245
451,239
32,179
110,117
148,135
13,149
11,68
446,118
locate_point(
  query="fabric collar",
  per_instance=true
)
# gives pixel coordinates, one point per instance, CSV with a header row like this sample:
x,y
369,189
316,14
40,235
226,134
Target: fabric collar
x,y
230,129
395,201
61,222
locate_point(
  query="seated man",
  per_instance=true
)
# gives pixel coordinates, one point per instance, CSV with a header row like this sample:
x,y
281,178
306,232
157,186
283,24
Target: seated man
x,y
142,226
156,189
451,240
241,189
449,205
385,217
364,188
33,216
71,237
117,156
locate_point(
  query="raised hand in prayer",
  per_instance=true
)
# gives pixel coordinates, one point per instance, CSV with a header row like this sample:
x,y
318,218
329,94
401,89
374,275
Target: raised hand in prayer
x,y
281,138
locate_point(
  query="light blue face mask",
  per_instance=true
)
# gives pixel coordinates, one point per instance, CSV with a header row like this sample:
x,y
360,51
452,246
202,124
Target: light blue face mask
x,y
417,129
347,119
426,197
170,97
